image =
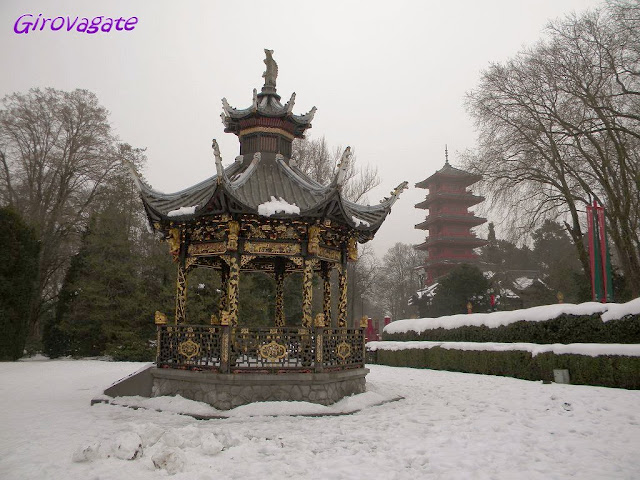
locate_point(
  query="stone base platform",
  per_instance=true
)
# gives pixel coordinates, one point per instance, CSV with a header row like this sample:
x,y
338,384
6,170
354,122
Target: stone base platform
x,y
227,391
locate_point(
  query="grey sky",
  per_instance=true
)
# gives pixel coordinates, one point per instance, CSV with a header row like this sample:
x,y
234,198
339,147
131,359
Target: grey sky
x,y
388,78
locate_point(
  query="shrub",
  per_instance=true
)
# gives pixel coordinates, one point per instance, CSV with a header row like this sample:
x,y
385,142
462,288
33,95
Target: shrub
x,y
604,370
563,329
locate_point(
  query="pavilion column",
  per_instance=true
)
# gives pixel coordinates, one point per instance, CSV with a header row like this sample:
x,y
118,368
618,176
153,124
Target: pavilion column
x,y
279,275
224,286
342,301
307,293
181,294
326,298
232,290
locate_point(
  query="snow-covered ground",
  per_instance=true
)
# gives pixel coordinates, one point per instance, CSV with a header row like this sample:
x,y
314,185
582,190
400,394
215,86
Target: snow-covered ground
x,y
449,425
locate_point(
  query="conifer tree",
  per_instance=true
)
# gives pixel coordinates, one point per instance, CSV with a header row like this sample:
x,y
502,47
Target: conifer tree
x,y
18,281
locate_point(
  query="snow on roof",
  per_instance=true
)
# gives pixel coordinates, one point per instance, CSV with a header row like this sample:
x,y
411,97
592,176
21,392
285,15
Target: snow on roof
x,y
488,274
497,319
428,291
508,293
182,211
358,221
523,282
277,205
589,349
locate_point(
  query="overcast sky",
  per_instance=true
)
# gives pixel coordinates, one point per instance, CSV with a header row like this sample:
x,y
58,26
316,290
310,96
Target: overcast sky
x,y
388,78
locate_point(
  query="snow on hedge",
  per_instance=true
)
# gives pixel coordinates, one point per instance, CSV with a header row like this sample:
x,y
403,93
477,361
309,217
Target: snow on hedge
x,y
608,311
619,310
589,349
277,205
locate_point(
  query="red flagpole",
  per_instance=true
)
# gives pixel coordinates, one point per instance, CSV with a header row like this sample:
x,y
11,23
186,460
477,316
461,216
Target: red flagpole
x,y
603,249
592,258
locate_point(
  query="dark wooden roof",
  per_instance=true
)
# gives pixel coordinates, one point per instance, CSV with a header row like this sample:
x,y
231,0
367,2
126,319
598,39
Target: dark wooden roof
x,y
248,183
252,180
266,105
451,174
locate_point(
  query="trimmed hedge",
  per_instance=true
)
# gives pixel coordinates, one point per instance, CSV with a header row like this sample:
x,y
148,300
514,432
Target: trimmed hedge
x,y
563,329
606,371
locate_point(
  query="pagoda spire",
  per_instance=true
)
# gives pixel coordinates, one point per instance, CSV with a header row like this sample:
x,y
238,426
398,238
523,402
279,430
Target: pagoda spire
x,y
446,155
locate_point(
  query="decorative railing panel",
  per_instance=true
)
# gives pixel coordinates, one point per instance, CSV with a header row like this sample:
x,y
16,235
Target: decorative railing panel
x,y
259,350
343,348
192,346
282,348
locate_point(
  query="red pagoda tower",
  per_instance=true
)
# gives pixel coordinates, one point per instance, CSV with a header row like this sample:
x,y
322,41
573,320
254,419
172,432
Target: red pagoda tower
x,y
450,241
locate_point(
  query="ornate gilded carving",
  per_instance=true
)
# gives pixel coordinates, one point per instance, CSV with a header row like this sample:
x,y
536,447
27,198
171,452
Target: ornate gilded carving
x,y
210,248
272,248
245,259
225,347
189,349
160,318
342,302
319,341
326,290
329,254
232,241
174,242
255,232
272,351
307,292
319,320
286,232
189,262
224,285
232,290
343,350
207,232
352,249
364,321
313,247
181,295
215,320
297,260
279,311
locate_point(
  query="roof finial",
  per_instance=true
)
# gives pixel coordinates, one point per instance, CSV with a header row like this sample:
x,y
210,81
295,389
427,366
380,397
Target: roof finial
x,y
271,73
343,165
216,154
446,155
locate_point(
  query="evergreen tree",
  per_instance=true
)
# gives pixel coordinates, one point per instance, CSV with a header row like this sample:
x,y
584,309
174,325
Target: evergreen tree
x,y
18,281
557,260
463,284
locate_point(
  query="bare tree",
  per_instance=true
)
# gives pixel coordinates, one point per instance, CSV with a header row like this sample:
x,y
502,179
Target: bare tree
x,y
315,158
56,152
397,280
558,127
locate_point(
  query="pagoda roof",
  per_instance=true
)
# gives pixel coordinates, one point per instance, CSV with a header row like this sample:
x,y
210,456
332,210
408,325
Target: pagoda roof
x,y
468,219
447,172
453,240
245,186
468,199
266,105
266,183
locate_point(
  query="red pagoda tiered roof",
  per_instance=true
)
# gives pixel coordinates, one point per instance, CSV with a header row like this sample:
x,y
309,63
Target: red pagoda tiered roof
x,y
450,241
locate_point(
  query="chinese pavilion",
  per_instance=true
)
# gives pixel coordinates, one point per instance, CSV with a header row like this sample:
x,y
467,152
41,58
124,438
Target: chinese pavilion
x,y
263,214
450,241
